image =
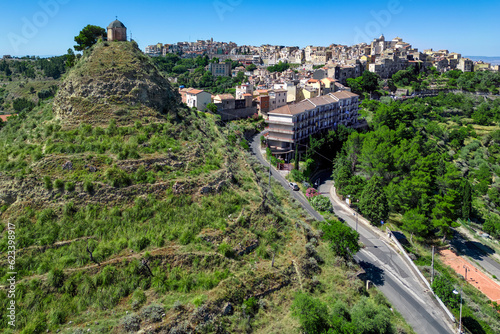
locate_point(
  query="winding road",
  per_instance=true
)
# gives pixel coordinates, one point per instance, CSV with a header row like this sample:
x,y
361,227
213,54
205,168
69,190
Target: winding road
x,y
383,265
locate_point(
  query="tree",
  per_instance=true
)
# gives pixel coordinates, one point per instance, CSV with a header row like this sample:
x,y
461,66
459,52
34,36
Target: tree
x,y
251,67
212,108
373,202
466,199
312,313
70,58
443,212
88,37
343,239
370,318
415,223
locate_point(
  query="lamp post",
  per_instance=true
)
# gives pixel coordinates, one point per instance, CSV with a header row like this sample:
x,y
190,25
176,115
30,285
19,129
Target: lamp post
x,y
460,321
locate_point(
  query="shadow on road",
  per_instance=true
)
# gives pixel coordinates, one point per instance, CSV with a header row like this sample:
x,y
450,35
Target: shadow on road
x,y
474,249
372,273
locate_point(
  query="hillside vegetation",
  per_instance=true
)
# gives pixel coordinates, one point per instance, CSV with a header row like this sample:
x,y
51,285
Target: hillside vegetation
x,y
139,214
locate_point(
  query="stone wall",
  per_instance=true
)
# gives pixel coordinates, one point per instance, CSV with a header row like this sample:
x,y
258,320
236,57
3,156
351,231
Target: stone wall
x,y
232,114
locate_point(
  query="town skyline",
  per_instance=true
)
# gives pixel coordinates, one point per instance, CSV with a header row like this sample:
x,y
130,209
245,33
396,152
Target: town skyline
x,y
26,29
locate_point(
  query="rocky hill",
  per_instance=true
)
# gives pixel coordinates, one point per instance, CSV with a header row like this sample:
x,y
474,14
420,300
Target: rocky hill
x,y
112,80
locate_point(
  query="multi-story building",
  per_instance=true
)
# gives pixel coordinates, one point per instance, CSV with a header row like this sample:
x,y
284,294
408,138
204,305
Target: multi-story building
x,y
343,72
465,65
386,67
277,98
220,69
291,126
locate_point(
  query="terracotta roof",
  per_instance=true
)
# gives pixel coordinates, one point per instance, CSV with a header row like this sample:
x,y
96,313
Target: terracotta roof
x,y
224,97
312,80
300,107
343,94
247,94
195,91
330,79
4,117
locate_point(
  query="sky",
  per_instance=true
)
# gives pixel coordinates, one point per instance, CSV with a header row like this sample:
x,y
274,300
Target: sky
x,y
48,27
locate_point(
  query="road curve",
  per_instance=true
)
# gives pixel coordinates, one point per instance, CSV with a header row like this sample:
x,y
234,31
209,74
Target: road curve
x,y
384,267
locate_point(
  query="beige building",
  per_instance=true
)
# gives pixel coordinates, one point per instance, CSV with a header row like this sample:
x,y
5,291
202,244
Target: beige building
x,y
277,98
465,65
291,126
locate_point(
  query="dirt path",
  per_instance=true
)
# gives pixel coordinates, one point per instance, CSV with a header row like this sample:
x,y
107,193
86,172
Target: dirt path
x,y
474,275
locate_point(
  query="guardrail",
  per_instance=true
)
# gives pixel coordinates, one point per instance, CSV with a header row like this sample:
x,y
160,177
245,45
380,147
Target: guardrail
x,y
420,275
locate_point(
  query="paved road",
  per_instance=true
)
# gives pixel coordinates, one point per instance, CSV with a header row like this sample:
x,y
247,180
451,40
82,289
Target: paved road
x,y
388,271
383,265
477,253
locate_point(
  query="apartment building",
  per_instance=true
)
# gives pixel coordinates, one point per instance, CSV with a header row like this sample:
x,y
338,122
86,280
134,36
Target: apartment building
x,y
291,125
220,69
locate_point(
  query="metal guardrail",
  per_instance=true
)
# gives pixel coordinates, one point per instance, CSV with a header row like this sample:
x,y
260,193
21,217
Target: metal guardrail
x,y
419,273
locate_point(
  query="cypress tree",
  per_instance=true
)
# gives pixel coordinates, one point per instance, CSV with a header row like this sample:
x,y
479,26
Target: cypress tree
x,y
466,200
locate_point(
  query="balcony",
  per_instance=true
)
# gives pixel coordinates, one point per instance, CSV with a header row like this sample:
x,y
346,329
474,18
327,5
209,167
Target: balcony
x,y
273,130
279,138
279,122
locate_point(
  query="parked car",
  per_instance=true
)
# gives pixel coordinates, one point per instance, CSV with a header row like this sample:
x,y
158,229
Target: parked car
x,y
294,186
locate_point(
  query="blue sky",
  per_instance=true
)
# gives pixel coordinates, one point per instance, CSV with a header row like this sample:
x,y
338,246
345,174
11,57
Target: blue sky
x,y
48,27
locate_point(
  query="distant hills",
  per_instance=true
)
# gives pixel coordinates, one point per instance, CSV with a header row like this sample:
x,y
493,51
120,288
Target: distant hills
x,y
492,60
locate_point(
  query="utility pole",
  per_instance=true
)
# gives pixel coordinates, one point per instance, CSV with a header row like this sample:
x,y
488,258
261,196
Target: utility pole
x,y
432,270
460,322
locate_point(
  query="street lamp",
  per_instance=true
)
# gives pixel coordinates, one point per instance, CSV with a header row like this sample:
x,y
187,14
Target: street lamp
x,y
460,321
354,214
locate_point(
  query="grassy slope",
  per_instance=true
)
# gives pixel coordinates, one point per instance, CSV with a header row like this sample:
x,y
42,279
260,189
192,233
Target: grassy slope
x,y
150,207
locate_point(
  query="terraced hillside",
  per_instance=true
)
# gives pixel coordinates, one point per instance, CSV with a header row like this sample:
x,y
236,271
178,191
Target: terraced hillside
x,y
135,214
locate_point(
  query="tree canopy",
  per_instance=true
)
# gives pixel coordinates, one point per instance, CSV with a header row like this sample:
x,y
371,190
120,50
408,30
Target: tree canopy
x,y
342,239
88,37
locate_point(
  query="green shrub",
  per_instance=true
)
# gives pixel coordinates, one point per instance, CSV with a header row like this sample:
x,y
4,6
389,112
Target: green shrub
x,y
138,298
56,278
70,186
199,300
88,186
140,243
131,323
297,176
444,289
117,177
59,184
47,182
225,249
69,209
311,313
153,312
140,175
250,306
370,318
321,203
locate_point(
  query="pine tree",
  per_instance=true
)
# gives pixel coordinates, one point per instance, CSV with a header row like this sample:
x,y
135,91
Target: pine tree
x,y
373,202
